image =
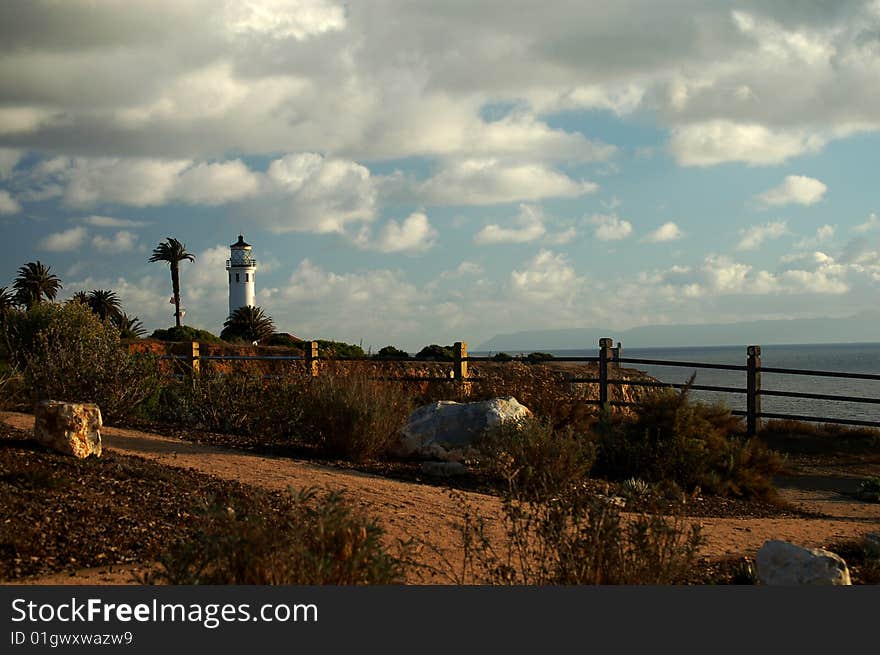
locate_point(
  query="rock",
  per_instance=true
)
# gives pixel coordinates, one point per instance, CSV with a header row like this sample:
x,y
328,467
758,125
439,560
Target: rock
x,y
446,429
443,469
69,428
783,563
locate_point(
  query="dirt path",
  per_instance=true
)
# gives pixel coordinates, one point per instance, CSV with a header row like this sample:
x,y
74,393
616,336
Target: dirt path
x,y
430,513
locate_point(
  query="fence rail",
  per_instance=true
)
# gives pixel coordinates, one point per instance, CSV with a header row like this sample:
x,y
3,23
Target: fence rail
x,y
608,358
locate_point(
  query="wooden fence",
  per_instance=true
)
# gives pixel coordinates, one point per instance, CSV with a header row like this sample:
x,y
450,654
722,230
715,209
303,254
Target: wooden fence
x,y
608,360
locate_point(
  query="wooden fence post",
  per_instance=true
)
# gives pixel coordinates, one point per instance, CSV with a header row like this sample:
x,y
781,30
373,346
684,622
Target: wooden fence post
x,y
312,358
194,358
459,365
753,390
604,358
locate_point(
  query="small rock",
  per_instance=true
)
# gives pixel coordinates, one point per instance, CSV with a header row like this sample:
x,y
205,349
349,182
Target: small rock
x,y
783,563
69,428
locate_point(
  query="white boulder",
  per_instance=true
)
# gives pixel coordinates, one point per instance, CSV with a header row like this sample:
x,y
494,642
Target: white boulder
x,y
69,428
446,430
784,563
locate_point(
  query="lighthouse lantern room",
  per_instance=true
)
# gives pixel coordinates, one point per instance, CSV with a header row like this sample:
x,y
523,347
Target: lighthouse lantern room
x,y
241,266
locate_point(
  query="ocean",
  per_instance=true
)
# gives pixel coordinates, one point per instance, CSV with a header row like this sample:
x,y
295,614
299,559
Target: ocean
x,y
849,357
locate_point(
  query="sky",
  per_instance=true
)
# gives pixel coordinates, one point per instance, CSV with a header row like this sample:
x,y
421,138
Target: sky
x,y
428,172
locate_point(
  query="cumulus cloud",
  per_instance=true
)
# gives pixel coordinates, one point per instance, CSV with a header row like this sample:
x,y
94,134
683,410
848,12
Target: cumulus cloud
x,y
752,237
413,234
492,181
65,241
9,158
281,19
610,227
795,189
464,269
529,226
122,241
111,221
720,276
721,141
869,225
547,276
216,184
8,204
669,231
823,234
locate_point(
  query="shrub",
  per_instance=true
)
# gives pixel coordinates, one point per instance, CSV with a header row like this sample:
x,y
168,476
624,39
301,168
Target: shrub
x,y
576,539
390,352
538,357
321,541
535,458
284,339
240,401
339,349
70,354
502,357
672,439
437,353
184,333
353,416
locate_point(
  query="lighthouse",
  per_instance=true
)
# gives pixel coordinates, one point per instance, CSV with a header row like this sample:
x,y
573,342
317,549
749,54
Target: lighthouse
x,y
241,267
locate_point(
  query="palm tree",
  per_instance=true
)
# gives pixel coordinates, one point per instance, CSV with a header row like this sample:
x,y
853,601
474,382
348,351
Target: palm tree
x,y
104,303
33,282
173,252
6,300
130,327
81,297
249,324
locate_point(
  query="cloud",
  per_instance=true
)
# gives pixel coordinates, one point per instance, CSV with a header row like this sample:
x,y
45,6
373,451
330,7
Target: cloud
x,y
869,225
217,183
319,194
530,226
8,204
490,181
110,221
562,237
135,182
669,231
547,276
751,238
823,234
64,241
9,158
610,227
720,141
720,276
282,19
413,234
795,189
122,241
464,269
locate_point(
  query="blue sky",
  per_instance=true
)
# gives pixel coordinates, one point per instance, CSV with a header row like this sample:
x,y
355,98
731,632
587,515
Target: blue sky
x,y
413,173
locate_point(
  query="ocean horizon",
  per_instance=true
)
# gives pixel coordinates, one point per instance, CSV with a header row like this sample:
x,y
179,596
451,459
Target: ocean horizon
x,y
860,357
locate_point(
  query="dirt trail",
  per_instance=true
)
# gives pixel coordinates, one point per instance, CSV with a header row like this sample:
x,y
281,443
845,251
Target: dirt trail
x,y
430,513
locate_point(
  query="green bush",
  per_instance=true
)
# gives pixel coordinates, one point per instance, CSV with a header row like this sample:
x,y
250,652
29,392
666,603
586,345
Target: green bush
x,y
70,354
437,353
184,333
502,357
390,352
538,357
283,339
339,349
535,458
321,541
673,439
353,416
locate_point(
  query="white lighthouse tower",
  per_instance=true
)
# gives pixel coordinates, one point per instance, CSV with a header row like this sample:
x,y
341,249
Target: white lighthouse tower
x,y
241,267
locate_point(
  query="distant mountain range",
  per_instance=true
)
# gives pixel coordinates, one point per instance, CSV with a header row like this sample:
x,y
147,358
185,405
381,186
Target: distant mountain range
x,y
863,327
